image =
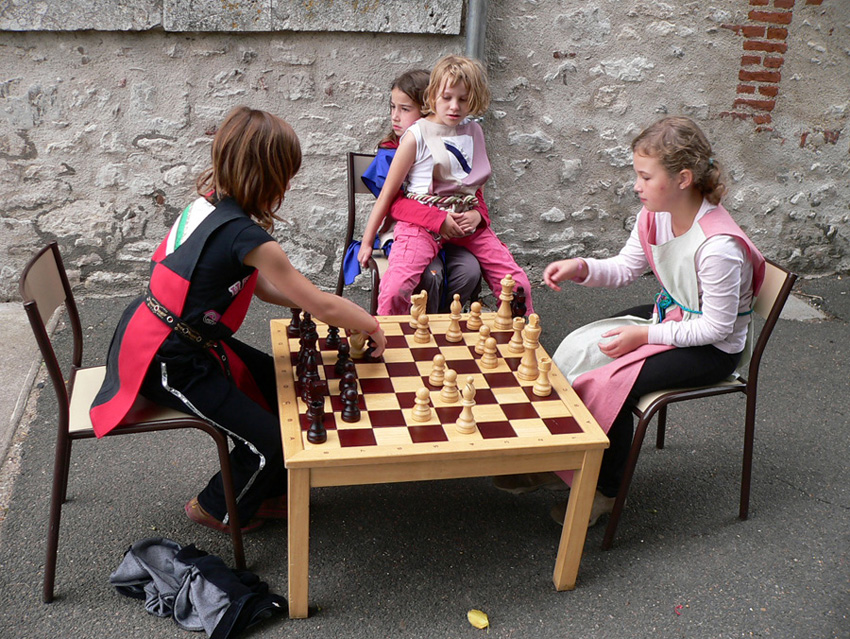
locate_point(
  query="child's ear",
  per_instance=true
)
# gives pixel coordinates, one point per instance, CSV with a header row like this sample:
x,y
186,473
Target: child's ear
x,y
686,178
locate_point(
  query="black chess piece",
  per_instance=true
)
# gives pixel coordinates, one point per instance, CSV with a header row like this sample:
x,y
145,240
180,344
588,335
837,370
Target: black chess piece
x,y
317,434
518,306
343,356
332,340
350,409
294,328
349,380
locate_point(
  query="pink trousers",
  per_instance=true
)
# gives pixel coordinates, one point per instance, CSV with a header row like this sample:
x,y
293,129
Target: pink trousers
x,y
413,249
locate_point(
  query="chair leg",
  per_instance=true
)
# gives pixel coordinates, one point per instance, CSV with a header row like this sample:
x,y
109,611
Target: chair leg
x,y
230,500
661,428
57,497
747,467
628,473
64,495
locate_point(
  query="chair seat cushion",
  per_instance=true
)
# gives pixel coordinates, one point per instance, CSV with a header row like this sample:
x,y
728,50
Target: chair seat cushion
x,y
736,384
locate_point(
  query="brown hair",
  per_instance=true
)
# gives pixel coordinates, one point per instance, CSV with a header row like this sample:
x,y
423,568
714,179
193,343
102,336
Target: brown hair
x,y
254,156
453,69
413,84
679,144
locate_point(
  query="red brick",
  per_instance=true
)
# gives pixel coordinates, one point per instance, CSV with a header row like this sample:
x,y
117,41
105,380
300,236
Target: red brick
x,y
759,76
763,119
761,105
750,59
814,1
761,45
774,17
777,33
735,115
770,90
783,4
759,3
746,88
773,62
753,31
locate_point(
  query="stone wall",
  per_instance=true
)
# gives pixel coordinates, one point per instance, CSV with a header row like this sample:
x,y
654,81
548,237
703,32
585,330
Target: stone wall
x,y
103,132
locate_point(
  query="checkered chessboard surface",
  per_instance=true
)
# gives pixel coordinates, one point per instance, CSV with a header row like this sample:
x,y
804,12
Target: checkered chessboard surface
x,y
505,406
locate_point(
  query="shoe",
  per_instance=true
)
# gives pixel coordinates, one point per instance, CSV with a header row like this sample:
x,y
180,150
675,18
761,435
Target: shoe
x,y
602,505
528,482
196,513
273,508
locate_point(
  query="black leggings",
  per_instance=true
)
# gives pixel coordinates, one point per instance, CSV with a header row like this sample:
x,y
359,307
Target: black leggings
x,y
676,368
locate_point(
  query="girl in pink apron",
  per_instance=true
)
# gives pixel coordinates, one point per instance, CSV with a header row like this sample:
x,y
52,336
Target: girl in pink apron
x,y
697,331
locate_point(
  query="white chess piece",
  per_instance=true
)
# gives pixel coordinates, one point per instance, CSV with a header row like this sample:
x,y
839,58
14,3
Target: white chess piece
x,y
466,421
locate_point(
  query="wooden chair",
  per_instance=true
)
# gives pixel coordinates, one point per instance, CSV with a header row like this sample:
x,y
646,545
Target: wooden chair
x,y
44,287
771,299
356,164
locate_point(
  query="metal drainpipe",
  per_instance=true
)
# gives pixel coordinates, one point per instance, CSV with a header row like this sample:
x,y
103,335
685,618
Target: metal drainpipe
x,y
476,26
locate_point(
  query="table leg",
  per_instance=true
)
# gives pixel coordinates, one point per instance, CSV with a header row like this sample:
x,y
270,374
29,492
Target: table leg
x,y
575,522
299,542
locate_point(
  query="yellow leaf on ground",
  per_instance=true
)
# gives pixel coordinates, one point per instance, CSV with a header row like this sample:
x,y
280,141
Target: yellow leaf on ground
x,y
478,619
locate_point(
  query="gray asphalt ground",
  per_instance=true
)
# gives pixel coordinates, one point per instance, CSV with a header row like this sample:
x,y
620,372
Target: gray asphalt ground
x,y
409,560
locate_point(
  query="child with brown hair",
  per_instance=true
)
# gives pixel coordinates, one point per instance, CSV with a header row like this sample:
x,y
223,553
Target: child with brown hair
x,y
696,332
175,344
441,161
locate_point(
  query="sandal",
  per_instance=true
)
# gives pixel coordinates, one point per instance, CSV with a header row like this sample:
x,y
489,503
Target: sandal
x,y
196,513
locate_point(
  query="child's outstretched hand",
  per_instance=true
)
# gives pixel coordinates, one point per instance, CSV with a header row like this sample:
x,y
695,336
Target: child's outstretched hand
x,y
626,339
364,254
573,269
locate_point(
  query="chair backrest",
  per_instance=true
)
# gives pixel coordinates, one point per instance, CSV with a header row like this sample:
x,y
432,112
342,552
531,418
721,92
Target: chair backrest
x,y
771,299
356,164
44,287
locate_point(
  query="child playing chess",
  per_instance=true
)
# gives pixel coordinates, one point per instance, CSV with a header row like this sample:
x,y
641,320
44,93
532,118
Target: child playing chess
x,y
442,161
175,344
454,270
696,332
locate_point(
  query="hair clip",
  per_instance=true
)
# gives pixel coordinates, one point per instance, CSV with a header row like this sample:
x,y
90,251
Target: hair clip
x,y
710,161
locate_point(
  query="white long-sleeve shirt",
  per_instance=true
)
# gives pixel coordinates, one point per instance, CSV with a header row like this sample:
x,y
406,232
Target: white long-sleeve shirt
x,y
724,278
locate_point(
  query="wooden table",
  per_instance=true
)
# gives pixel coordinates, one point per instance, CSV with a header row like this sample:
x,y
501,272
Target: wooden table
x,y
517,433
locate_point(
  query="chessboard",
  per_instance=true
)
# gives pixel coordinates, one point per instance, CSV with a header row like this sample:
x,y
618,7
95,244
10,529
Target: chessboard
x,y
507,411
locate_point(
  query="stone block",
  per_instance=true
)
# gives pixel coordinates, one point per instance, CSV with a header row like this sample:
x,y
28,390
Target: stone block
x,y
80,15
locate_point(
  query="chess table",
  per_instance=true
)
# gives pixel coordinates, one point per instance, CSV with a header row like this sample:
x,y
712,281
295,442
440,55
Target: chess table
x,y
517,432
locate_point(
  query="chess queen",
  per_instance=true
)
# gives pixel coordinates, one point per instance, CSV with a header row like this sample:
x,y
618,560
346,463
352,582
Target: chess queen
x,y
175,343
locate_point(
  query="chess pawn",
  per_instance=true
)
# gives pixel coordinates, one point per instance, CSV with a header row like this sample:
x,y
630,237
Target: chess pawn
x,y
422,408
449,393
332,340
357,344
454,334
515,345
423,332
490,359
543,387
438,372
350,409
474,321
531,341
294,328
466,421
317,434
504,316
343,356
483,334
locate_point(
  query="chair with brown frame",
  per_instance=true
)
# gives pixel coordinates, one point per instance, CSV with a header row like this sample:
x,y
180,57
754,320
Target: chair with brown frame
x,y
768,305
44,287
356,164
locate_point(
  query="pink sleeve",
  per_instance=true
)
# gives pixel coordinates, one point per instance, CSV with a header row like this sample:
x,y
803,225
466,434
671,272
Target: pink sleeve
x,y
404,209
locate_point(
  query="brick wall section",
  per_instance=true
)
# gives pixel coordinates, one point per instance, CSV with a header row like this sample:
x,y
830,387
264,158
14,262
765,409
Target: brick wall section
x,y
764,47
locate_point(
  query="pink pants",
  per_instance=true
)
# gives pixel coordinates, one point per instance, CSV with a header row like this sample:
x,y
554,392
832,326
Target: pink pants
x,y
413,249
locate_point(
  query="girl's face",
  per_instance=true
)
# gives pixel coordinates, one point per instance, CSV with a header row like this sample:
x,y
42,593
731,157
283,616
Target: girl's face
x,y
452,103
655,187
403,111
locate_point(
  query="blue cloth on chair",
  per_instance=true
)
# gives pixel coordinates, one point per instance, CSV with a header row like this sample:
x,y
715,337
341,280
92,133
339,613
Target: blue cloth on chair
x,y
350,265
375,176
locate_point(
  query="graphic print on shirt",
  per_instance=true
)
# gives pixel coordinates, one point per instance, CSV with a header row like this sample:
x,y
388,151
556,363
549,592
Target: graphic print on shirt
x,y
460,148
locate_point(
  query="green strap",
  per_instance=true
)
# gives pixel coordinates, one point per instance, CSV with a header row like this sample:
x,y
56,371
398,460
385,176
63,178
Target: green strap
x,y
181,227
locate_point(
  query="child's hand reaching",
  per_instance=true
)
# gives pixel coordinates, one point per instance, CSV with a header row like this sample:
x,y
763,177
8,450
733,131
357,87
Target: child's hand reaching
x,y
574,269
